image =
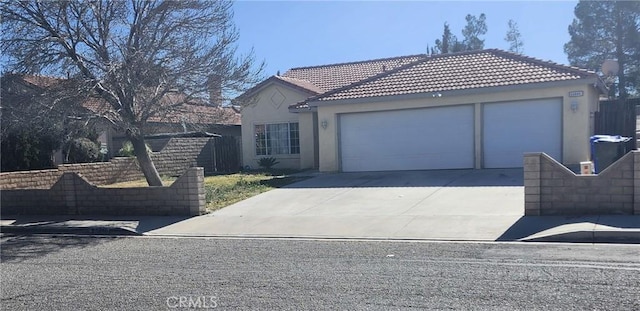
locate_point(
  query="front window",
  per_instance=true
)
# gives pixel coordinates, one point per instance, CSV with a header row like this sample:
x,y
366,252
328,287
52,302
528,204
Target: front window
x,y
279,138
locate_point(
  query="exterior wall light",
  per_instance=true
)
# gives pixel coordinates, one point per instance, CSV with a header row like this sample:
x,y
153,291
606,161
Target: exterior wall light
x,y
574,105
324,124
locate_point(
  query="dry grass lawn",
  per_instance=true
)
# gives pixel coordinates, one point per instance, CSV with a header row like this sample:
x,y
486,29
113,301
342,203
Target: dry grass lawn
x,y
224,190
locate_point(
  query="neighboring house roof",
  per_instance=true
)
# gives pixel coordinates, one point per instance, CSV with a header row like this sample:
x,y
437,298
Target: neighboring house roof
x,y
195,112
183,134
33,82
419,74
201,114
41,81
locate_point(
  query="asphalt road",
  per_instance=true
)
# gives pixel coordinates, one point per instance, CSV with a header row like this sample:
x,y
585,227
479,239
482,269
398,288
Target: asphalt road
x,y
107,273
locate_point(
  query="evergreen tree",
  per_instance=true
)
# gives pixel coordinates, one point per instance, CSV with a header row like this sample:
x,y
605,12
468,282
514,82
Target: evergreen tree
x,y
607,30
448,44
476,27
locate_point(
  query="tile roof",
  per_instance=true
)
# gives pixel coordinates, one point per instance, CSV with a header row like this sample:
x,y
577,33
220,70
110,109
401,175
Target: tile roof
x,y
41,81
329,77
301,83
194,112
458,71
201,114
320,79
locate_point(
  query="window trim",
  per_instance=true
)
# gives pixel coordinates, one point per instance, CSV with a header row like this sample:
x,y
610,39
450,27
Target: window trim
x,y
290,139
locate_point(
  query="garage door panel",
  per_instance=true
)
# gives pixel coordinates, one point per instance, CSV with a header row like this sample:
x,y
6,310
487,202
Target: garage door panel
x,y
511,129
430,138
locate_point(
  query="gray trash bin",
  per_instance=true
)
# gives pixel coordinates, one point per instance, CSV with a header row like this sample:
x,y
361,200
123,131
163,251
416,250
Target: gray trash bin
x,y
606,149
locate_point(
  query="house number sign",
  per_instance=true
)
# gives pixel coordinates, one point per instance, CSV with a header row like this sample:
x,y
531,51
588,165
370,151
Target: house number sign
x,y
576,93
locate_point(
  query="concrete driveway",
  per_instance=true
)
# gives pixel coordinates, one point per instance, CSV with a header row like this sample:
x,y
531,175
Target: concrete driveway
x,y
443,204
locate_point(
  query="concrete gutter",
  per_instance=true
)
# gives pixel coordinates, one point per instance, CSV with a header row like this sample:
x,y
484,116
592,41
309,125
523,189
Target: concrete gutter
x,y
85,225
581,233
587,229
96,230
61,225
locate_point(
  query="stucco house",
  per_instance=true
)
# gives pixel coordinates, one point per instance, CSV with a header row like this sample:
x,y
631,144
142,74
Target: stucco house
x,y
475,109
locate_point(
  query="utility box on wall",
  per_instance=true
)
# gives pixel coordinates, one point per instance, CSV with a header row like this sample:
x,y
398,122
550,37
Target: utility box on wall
x,y
586,168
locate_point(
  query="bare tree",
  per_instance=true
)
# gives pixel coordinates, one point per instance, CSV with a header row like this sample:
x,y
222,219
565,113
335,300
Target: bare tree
x,y
130,55
514,37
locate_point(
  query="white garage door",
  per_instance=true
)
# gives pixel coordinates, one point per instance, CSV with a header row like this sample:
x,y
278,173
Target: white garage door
x,y
414,139
513,128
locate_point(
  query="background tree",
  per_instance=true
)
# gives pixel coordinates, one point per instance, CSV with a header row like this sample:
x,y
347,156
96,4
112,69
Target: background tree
x,y
38,118
450,44
514,37
607,30
476,27
130,55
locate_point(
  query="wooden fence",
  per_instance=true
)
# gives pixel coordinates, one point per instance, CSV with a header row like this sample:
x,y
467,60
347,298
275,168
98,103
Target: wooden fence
x,y
618,117
223,155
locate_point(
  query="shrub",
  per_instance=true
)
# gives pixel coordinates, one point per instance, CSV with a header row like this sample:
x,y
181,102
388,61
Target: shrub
x,y
27,150
83,150
267,162
127,150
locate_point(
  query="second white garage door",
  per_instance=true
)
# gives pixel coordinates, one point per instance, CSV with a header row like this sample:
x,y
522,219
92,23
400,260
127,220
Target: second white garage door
x,y
413,139
512,128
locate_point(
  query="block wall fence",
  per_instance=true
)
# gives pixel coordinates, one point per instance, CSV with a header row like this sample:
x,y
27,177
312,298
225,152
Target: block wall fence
x,y
74,195
178,155
552,189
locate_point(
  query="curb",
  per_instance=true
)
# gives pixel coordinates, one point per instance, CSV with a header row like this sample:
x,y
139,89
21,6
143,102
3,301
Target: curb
x,y
596,236
98,230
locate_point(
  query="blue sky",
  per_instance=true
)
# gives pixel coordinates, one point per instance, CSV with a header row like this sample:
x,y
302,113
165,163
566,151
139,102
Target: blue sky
x,y
289,34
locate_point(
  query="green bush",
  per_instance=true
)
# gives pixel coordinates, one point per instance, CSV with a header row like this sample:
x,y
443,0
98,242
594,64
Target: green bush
x,y
27,150
267,162
127,150
83,150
